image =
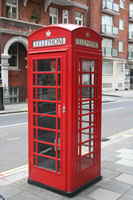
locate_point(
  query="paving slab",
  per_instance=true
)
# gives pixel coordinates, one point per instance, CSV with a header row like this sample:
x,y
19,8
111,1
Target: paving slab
x,y
125,162
125,197
110,173
103,194
125,178
48,195
117,186
109,165
125,169
26,196
8,191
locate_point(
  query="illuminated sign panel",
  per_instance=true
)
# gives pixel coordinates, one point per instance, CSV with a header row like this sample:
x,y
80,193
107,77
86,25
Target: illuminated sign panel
x,y
86,43
49,42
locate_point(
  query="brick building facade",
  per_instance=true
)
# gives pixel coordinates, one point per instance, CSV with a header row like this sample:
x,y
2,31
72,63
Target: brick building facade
x,y
112,19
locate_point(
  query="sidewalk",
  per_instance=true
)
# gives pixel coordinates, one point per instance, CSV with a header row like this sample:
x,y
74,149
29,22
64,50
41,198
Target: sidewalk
x,y
116,171
106,97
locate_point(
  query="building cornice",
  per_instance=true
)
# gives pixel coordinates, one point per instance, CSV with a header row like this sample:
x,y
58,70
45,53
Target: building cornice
x,y
64,3
14,32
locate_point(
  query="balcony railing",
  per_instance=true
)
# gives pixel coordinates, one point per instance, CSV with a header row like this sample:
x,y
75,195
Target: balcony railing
x,y
130,36
130,54
110,52
109,29
107,4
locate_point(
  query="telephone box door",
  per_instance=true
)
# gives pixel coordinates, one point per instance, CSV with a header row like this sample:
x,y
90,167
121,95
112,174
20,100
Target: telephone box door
x,y
47,119
88,118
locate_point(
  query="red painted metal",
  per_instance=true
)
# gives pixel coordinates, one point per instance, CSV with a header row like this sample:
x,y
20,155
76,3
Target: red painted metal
x,y
64,106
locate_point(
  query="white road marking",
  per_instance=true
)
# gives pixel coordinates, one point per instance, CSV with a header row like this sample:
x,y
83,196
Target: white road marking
x,y
14,125
113,109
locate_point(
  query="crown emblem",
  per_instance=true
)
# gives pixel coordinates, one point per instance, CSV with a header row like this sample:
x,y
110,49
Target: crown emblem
x,y
48,33
87,34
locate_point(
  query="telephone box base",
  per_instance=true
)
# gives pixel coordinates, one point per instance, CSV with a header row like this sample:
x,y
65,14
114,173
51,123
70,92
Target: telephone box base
x,y
65,193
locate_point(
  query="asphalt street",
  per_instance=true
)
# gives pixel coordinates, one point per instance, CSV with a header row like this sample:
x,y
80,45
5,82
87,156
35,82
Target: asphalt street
x,y
116,117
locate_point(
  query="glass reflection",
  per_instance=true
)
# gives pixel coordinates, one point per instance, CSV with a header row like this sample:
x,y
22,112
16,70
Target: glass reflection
x,y
46,94
88,65
46,149
47,122
46,65
46,136
46,108
46,163
46,79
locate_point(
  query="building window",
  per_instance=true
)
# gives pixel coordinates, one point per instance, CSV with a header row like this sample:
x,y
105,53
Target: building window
x,y
53,16
79,18
13,52
121,45
107,47
65,17
120,67
107,68
121,24
122,3
12,8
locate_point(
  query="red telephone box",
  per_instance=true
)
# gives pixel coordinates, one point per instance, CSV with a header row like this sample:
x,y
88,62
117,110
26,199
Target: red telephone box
x,y
64,106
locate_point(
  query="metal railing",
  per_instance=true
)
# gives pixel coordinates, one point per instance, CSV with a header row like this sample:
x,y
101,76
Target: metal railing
x,y
109,29
15,94
110,52
107,4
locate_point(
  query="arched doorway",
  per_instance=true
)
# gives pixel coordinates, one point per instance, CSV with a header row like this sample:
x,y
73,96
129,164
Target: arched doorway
x,y
14,70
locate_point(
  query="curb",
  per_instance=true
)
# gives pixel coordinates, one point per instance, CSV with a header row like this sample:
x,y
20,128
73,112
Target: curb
x,y
13,111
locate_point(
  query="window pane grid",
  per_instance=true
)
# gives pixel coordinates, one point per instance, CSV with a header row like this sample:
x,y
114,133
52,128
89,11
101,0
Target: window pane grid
x,y
46,119
87,112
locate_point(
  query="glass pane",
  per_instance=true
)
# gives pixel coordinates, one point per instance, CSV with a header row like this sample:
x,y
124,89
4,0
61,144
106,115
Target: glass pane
x,y
46,65
46,136
34,107
47,122
59,94
87,147
12,2
34,120
88,65
34,147
87,93
33,65
59,79
46,163
58,166
87,161
14,11
46,108
34,159
58,138
59,67
46,79
85,79
34,93
58,123
34,133
46,149
33,79
46,94
58,150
